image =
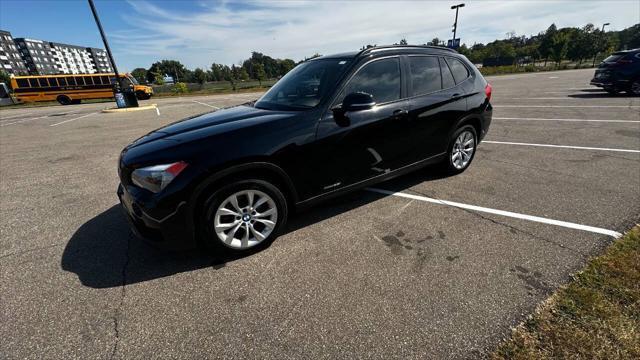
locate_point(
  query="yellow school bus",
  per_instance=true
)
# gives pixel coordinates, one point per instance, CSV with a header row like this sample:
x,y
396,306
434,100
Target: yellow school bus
x,y
72,88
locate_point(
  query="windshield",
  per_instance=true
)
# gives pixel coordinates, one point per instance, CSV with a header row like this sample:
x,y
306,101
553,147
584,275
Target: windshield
x,y
614,58
303,87
132,79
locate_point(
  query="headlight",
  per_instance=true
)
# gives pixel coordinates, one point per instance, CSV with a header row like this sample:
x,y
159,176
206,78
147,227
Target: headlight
x,y
157,177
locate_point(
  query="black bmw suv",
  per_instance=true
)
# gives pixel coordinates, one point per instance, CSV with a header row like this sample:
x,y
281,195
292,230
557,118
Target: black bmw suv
x,y
230,178
619,72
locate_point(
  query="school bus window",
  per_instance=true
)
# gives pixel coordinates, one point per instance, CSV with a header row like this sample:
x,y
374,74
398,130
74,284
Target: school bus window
x,y
62,81
79,80
23,83
71,81
88,80
105,80
34,83
52,81
43,82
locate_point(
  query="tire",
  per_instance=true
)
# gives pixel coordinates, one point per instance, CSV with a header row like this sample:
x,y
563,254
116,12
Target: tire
x,y
240,229
63,100
611,90
456,164
634,89
141,95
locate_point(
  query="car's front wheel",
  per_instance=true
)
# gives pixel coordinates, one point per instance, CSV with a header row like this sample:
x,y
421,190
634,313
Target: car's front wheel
x,y
612,90
462,149
634,89
243,216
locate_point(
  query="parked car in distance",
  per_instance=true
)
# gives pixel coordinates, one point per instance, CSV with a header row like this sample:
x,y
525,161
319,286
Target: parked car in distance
x,y
230,178
619,72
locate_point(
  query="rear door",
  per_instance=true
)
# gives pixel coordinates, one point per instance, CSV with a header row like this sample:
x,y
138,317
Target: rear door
x,y
436,103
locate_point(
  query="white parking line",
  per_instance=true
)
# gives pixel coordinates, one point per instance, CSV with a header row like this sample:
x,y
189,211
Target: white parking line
x,y
74,119
24,120
205,104
560,146
568,106
570,120
510,214
4,118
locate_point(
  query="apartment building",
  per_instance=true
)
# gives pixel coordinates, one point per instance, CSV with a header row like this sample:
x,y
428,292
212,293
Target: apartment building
x,y
38,57
10,58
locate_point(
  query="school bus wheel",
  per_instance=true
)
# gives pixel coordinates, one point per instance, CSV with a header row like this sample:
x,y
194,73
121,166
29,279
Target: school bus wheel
x,y
63,100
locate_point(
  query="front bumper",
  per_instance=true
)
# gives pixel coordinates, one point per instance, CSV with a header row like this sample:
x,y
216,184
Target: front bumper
x,y
601,82
170,231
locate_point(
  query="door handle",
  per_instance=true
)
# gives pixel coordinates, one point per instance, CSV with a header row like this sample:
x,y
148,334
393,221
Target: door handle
x,y
455,96
400,113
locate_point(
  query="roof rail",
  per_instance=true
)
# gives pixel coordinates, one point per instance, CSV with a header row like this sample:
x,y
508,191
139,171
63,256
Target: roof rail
x,y
382,47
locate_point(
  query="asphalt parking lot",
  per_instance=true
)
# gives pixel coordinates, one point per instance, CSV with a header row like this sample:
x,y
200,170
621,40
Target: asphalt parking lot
x,y
423,266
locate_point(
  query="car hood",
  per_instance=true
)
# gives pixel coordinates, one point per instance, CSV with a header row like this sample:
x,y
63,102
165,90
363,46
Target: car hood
x,y
213,123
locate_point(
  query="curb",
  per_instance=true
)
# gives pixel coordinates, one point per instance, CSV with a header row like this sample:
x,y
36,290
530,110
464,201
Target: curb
x,y
119,110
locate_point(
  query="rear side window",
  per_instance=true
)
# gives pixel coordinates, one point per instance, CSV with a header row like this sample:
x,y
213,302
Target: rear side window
x,y
425,74
447,78
380,78
460,72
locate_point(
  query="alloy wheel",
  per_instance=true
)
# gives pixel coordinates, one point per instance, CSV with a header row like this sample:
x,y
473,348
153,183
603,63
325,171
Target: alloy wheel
x,y
245,219
635,87
463,149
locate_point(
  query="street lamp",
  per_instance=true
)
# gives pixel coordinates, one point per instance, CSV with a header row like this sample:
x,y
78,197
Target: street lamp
x,y
455,24
126,97
598,50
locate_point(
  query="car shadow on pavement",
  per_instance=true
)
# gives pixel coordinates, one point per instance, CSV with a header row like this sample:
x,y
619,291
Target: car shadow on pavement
x,y
104,253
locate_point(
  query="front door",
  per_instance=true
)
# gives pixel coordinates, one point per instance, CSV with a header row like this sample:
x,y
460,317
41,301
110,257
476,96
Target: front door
x,y
371,144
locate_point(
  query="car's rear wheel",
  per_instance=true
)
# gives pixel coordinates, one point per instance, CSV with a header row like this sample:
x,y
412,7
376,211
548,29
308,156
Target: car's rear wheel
x,y
244,216
462,149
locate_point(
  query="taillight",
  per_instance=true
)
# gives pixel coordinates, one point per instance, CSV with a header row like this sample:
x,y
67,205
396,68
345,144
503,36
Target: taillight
x,y
487,91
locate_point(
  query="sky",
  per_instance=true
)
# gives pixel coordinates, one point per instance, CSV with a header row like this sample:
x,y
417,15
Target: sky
x,y
198,33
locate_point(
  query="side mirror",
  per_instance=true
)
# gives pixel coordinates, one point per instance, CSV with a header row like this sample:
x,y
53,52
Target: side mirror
x,y
358,101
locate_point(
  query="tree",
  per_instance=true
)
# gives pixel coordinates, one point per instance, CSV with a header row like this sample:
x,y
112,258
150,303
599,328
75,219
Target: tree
x,y
559,46
199,76
403,41
5,78
546,42
140,74
172,68
434,42
260,74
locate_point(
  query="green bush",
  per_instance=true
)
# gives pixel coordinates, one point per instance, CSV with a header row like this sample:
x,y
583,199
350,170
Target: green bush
x,y
180,88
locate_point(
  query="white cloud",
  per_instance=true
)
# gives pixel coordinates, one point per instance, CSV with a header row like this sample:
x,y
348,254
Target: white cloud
x,y
227,31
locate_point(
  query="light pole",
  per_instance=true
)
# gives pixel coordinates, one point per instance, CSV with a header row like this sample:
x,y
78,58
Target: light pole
x,y
118,90
455,24
598,50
